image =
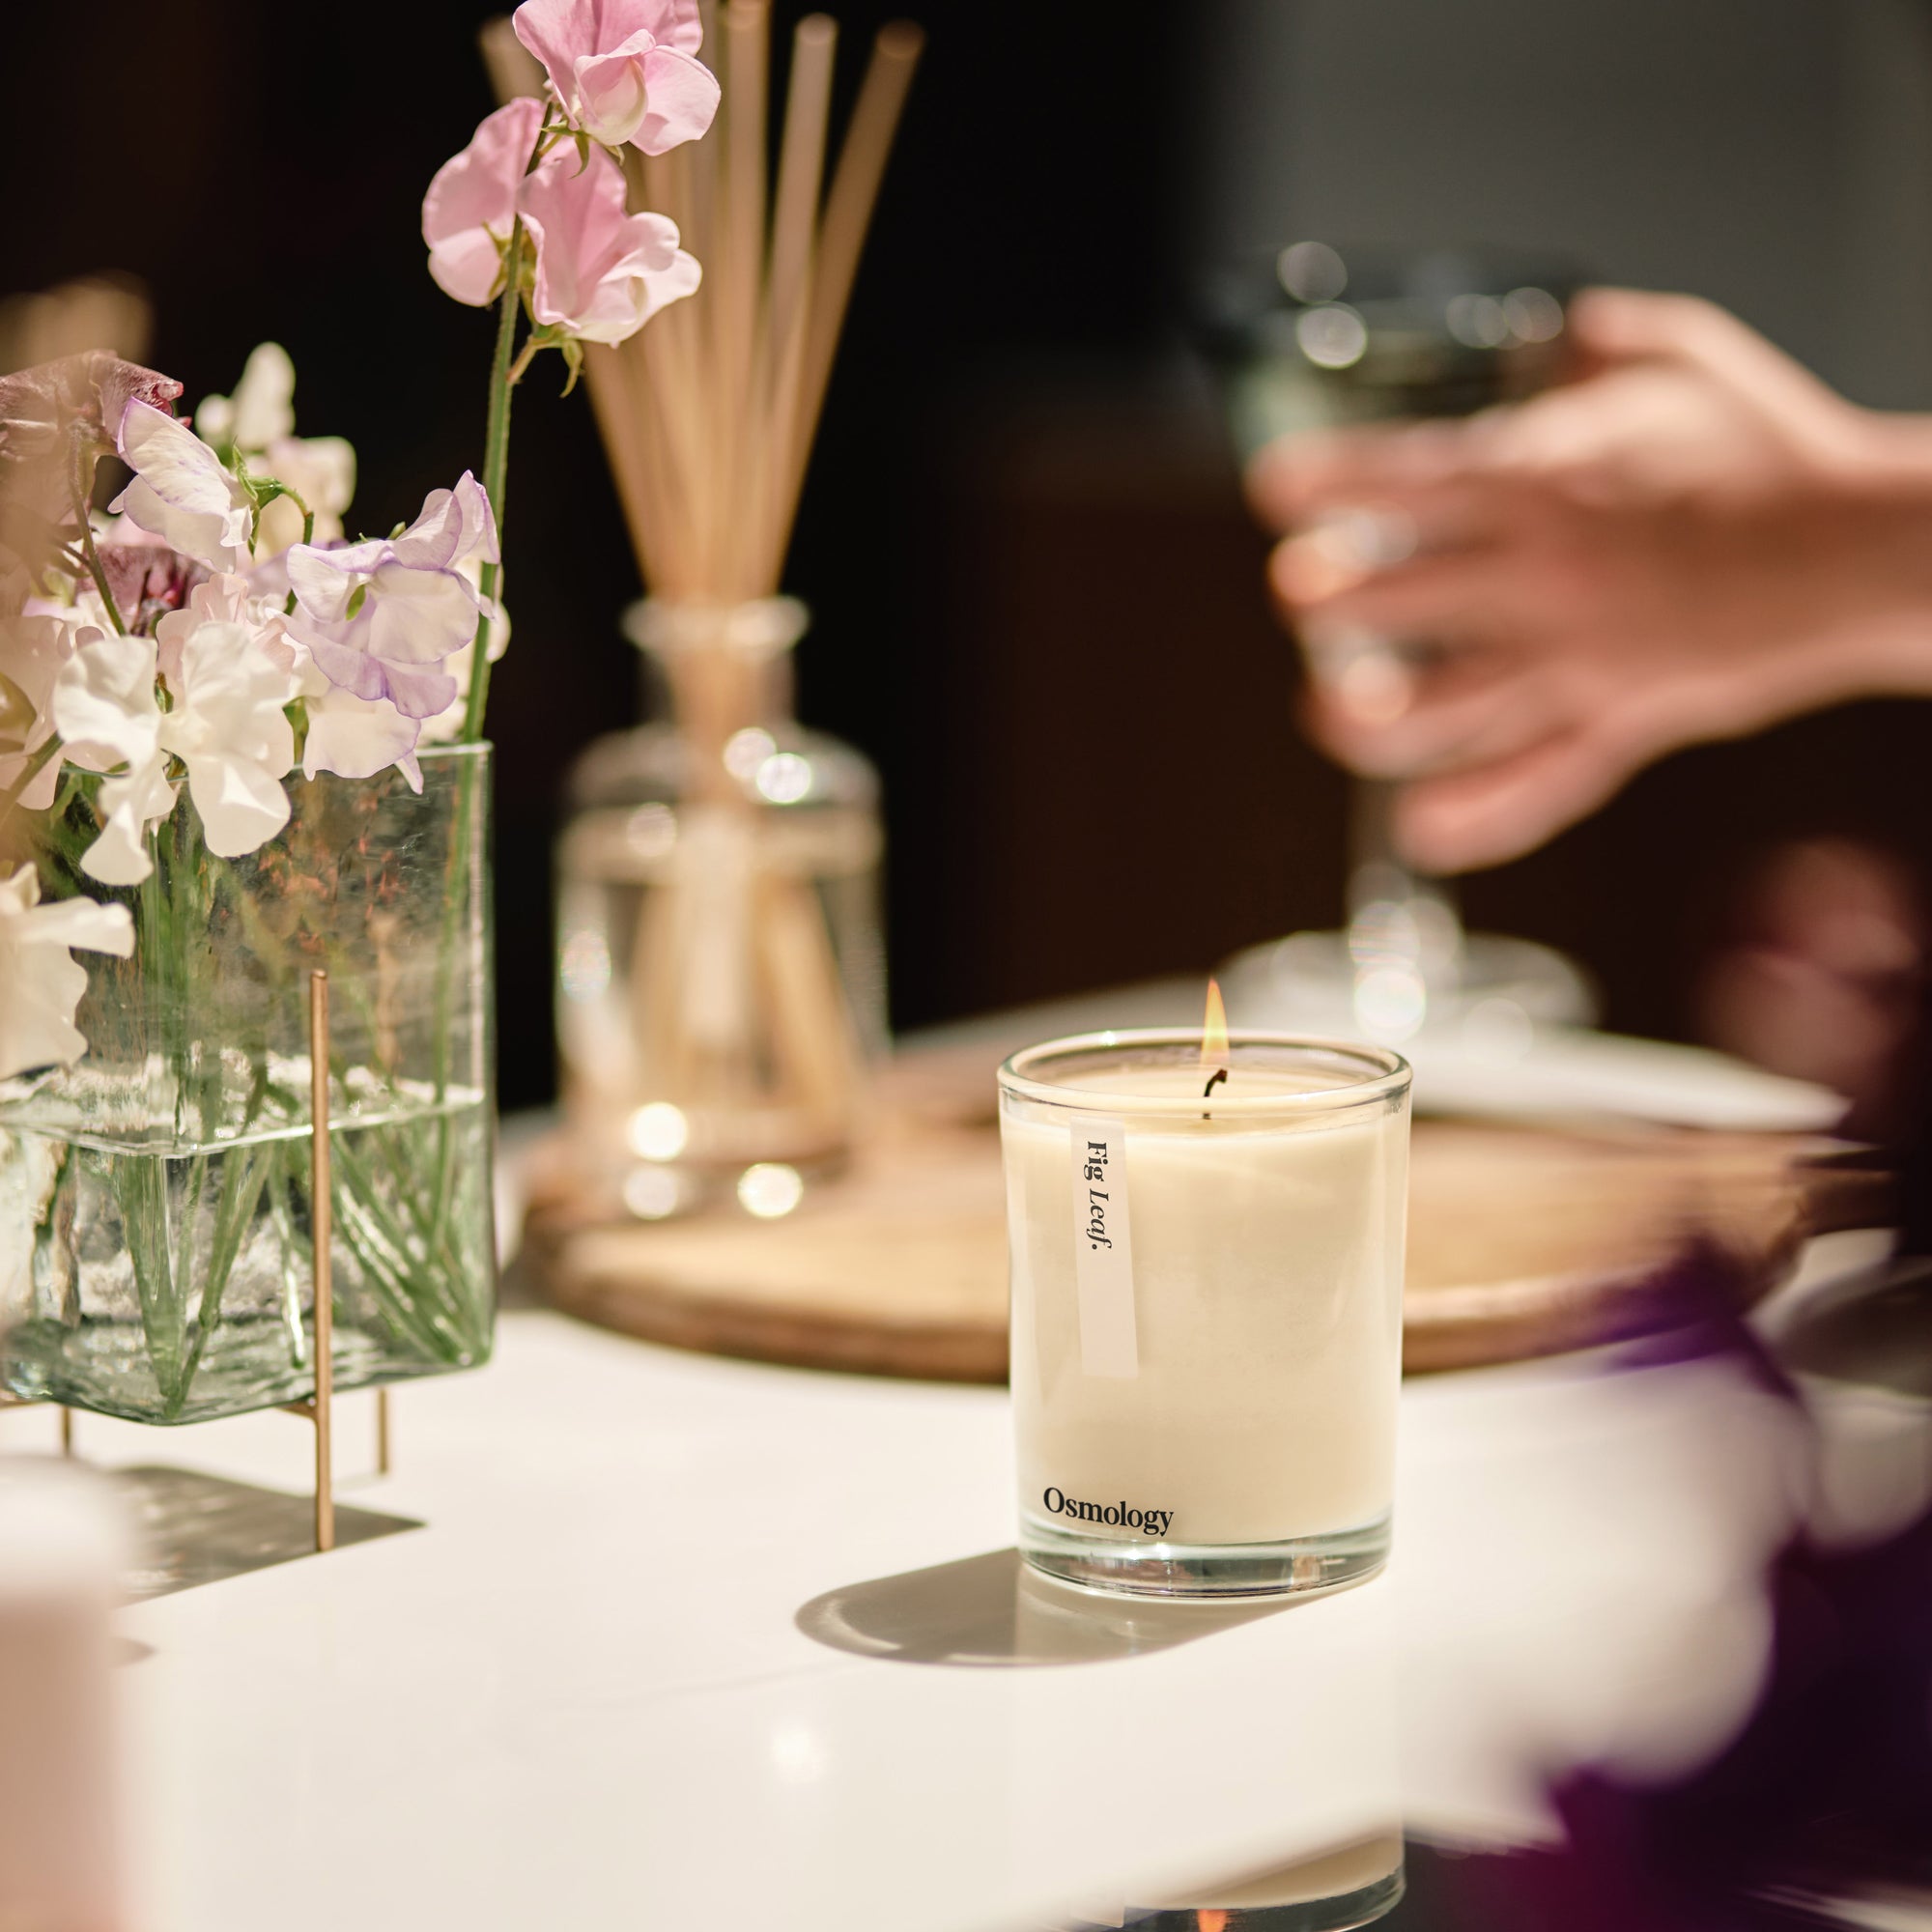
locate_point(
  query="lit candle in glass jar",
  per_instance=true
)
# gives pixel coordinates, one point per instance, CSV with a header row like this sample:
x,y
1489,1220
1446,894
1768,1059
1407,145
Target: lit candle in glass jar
x,y
1206,1247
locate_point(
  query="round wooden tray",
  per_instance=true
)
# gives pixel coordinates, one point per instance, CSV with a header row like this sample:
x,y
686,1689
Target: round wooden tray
x,y
1522,1240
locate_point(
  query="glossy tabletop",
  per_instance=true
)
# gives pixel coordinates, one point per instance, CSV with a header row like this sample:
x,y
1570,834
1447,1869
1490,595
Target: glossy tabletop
x,y
684,1641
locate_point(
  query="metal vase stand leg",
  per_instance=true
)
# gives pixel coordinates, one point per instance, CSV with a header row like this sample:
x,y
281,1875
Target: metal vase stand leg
x,y
319,1409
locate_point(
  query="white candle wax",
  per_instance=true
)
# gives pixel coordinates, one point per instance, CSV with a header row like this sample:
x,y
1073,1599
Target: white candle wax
x,y
1266,1245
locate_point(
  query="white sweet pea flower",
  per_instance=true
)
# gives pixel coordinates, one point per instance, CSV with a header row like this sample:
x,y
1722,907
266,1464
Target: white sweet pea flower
x,y
261,410
32,647
223,600
41,982
180,493
379,618
352,736
229,672
321,469
104,708
228,727
260,421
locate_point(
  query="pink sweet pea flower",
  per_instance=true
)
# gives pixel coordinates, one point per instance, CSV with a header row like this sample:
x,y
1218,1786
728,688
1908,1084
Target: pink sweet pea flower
x,y
601,274
379,618
624,69
471,204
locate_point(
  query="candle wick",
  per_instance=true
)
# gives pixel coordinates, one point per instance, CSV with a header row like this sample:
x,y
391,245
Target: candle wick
x,y
1214,1079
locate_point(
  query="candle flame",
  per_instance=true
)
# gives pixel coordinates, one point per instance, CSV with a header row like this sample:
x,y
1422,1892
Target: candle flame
x,y
1214,1029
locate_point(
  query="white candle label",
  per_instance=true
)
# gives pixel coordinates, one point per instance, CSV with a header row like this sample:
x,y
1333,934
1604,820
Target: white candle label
x,y
1103,1248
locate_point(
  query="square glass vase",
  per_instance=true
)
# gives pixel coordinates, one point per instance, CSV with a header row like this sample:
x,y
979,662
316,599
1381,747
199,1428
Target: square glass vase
x,y
156,1214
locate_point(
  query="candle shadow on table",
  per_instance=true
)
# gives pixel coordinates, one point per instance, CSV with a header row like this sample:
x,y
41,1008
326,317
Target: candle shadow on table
x,y
196,1529
992,1611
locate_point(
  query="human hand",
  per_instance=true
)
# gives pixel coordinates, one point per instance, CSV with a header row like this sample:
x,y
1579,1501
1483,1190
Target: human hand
x,y
1691,539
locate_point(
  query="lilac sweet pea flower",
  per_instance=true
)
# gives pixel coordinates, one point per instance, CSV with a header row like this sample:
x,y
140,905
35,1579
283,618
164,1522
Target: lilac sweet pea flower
x,y
354,737
624,69
471,204
601,274
180,493
379,618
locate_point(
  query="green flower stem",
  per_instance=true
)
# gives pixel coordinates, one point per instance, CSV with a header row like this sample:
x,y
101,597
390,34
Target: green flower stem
x,y
309,537
409,1261
496,471
418,1282
385,1251
298,1261
36,764
140,1187
505,371
77,488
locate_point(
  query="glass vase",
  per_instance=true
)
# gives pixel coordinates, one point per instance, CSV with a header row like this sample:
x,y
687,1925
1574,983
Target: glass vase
x,y
720,983
156,1259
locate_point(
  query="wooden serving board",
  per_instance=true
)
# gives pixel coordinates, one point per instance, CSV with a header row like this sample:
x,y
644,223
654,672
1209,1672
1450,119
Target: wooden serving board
x,y
1522,1240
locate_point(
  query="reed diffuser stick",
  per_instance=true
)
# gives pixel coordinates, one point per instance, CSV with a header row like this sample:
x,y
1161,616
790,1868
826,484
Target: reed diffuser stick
x,y
848,216
794,243
710,428
708,418
514,70
747,84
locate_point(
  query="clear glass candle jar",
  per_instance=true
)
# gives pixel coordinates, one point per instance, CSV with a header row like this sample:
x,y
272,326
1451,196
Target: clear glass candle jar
x,y
720,970
1207,1308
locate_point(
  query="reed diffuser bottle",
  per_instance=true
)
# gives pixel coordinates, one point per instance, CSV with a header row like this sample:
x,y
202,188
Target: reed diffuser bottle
x,y
720,970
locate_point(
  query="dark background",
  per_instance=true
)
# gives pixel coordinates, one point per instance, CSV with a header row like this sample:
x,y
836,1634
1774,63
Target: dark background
x,y
1038,602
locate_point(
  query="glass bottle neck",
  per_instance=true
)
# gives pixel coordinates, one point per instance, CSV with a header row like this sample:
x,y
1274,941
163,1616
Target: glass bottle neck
x,y
716,670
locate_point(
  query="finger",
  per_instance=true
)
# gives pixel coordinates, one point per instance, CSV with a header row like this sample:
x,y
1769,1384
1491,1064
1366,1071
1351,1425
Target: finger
x,y
1297,478
1619,325
1440,598
1466,717
1499,811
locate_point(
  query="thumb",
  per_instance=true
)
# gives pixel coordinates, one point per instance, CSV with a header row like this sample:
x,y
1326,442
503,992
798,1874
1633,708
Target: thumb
x,y
1464,821
1610,329
1613,328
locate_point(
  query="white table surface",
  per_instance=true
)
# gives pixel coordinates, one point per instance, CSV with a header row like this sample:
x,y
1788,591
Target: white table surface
x,y
579,1697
